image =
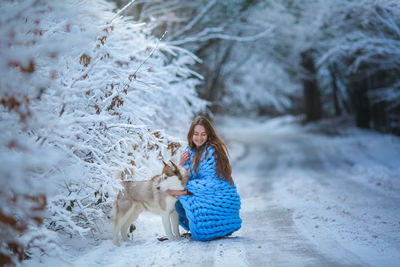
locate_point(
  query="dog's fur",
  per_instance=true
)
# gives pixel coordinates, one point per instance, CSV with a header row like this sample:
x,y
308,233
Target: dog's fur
x,y
151,195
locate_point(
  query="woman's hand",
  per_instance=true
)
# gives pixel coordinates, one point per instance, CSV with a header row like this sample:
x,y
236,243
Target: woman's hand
x,y
177,193
184,157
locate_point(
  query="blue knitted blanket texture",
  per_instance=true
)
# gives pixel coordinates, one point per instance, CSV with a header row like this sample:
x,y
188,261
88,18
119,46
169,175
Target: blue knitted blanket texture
x,y
213,209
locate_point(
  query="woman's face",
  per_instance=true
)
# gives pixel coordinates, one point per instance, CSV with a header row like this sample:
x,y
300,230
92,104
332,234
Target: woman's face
x,y
199,135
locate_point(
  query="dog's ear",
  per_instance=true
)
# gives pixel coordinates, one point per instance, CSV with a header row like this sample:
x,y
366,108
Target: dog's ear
x,y
168,170
173,164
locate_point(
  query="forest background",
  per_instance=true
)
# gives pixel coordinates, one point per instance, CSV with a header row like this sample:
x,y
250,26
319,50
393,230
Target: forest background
x,y
92,87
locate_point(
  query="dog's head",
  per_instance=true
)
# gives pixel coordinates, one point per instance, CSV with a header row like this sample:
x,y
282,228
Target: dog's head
x,y
173,177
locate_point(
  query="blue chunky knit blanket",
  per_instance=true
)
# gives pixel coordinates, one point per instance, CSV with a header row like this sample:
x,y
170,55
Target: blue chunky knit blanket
x,y
213,209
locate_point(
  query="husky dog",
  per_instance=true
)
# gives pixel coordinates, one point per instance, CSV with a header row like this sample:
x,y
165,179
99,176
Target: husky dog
x,y
151,195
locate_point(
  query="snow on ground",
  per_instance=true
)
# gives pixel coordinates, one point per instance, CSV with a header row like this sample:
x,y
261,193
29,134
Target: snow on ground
x,y
311,196
336,193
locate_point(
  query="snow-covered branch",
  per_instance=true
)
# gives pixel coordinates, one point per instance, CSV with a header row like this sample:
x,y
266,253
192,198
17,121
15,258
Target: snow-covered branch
x,y
217,33
195,20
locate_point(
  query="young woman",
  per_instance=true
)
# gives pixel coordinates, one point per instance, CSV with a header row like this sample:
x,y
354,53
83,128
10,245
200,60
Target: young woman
x,y
209,206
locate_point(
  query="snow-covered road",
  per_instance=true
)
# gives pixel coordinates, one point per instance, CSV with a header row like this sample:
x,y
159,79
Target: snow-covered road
x,y
308,199
313,199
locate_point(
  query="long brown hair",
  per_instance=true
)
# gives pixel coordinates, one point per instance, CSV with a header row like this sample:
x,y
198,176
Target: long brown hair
x,y
224,169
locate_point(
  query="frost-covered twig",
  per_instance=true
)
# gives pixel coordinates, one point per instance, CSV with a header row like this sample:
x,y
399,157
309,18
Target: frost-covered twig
x,y
215,33
151,53
121,10
195,20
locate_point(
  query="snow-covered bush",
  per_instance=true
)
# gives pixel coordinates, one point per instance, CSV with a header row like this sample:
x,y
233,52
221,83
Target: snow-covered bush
x,y
360,45
84,92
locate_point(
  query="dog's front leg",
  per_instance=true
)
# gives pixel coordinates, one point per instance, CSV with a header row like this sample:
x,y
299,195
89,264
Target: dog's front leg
x,y
167,226
175,224
115,234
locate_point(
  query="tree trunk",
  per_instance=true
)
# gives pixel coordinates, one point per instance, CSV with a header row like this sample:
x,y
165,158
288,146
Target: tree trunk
x,y
213,86
332,71
359,98
312,96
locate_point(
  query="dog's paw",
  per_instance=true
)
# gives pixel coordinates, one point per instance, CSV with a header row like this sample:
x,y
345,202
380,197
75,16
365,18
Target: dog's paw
x,y
177,237
116,242
186,235
171,238
161,239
